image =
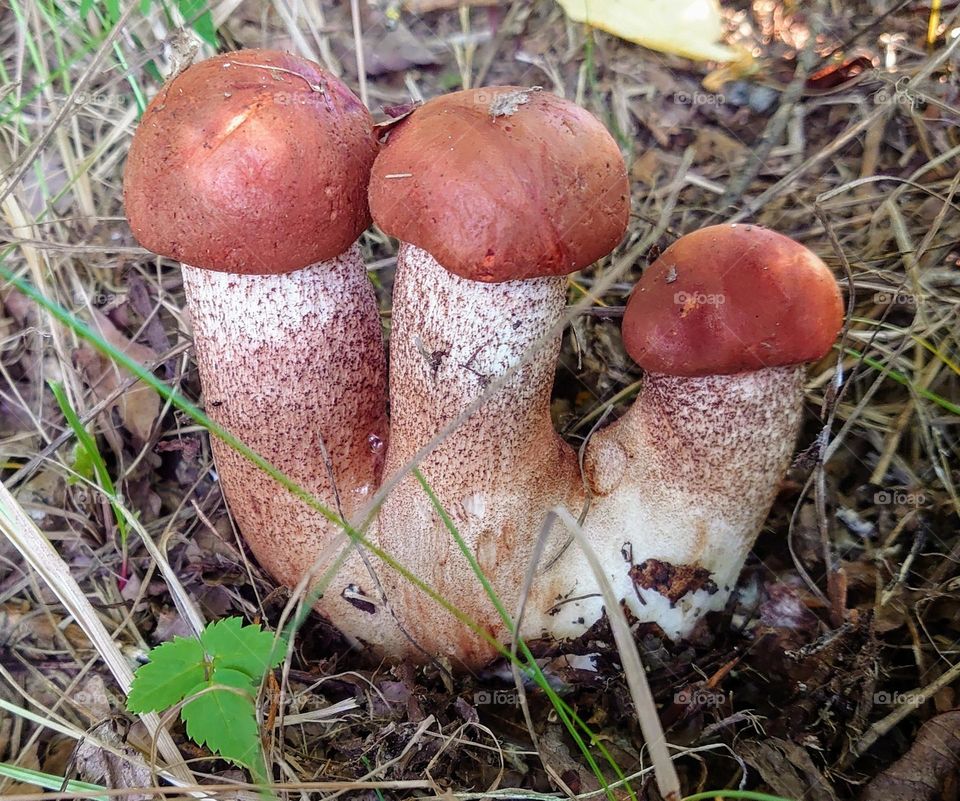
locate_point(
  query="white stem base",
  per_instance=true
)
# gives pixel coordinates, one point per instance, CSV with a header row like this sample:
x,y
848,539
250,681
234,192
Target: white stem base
x,y
682,485
293,366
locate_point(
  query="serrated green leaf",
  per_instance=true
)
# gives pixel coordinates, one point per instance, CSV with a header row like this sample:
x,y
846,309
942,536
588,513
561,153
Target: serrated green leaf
x,y
174,669
248,649
224,720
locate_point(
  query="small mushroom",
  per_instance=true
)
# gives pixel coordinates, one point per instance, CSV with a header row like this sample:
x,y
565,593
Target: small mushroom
x,y
723,323
496,195
251,169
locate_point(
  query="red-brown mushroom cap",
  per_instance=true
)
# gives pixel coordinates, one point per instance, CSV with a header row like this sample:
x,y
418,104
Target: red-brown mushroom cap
x,y
251,162
730,299
504,183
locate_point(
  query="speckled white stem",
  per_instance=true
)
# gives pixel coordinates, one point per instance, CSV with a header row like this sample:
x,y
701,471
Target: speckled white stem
x,y
293,365
682,484
499,473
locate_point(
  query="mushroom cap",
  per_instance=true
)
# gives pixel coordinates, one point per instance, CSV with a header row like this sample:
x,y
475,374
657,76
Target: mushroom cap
x,y
503,183
731,299
253,162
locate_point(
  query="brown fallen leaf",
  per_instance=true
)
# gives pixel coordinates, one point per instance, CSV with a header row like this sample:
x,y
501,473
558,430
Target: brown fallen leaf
x,y
34,631
787,768
928,771
397,50
139,405
119,769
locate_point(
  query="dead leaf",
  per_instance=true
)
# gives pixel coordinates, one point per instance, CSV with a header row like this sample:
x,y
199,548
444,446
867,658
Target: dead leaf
x,y
139,405
97,765
646,168
397,50
153,331
787,768
712,143
30,630
927,769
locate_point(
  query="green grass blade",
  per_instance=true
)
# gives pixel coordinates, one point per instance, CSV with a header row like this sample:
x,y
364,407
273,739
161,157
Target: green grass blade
x,y
92,453
193,411
566,714
50,782
900,378
123,360
746,795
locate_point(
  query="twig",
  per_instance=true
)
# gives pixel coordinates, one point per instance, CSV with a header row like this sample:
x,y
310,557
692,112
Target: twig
x,y
917,698
358,51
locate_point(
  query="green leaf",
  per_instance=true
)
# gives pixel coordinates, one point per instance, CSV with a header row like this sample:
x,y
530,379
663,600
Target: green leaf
x,y
87,445
248,649
174,669
82,464
112,9
225,720
197,15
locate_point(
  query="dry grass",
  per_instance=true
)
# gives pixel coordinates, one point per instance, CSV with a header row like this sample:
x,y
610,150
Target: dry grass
x,y
845,638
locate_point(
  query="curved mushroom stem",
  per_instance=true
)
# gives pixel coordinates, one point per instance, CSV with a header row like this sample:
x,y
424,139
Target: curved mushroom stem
x,y
293,366
681,486
498,474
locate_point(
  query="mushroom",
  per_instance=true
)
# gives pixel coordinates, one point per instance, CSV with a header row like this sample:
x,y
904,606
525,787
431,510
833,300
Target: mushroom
x,y
723,324
496,195
251,169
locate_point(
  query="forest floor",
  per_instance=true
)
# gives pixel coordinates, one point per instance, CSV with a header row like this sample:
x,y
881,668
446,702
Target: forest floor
x,y
841,653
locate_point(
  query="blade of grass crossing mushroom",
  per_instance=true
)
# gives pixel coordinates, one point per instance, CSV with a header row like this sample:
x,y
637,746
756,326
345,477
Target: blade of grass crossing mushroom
x,y
566,714
23,533
356,536
667,780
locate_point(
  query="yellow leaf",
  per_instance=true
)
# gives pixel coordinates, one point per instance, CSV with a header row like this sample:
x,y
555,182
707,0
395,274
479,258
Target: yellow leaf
x,y
689,28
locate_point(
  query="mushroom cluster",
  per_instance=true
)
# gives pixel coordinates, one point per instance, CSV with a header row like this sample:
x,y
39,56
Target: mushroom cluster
x,y
258,171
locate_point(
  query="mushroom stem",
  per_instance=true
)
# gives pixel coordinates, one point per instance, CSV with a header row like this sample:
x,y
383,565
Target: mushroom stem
x,y
502,469
681,485
293,366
